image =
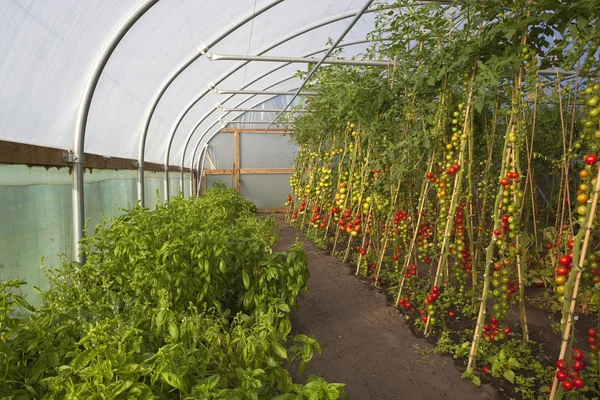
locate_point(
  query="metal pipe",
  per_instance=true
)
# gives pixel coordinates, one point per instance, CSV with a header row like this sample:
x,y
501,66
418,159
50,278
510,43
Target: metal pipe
x,y
270,110
322,60
264,92
345,44
340,61
78,197
234,70
245,122
168,82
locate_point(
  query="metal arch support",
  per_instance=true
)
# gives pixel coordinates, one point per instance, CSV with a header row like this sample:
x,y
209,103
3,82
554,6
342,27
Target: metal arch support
x,y
213,124
300,60
263,92
167,84
266,110
345,44
81,125
234,70
322,60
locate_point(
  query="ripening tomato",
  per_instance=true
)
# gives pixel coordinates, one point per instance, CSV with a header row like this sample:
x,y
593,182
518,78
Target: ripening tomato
x,y
584,174
560,279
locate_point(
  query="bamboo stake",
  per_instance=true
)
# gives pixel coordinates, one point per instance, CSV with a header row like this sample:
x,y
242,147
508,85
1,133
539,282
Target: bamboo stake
x,y
570,302
488,261
416,232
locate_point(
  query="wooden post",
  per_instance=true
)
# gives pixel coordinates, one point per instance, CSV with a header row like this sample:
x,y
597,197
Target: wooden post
x,y
238,186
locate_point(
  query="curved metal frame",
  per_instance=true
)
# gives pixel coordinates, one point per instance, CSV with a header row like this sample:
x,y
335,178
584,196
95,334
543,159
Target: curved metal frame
x,y
275,69
322,60
81,124
234,70
167,84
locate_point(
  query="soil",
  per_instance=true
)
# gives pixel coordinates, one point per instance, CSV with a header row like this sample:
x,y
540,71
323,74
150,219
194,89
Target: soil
x,y
366,343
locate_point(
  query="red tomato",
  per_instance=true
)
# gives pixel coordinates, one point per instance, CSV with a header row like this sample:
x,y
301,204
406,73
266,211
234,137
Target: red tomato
x,y
562,365
592,332
591,159
578,383
567,385
577,354
565,261
561,375
578,365
562,271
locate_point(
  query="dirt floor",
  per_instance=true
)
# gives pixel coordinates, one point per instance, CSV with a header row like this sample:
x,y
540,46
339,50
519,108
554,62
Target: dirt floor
x,y
366,343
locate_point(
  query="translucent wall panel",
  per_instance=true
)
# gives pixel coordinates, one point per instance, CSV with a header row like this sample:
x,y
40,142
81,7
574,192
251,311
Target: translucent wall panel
x,y
259,150
226,179
266,191
36,214
222,151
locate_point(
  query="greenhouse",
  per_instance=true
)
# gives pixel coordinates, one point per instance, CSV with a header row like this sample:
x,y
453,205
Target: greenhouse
x,y
299,199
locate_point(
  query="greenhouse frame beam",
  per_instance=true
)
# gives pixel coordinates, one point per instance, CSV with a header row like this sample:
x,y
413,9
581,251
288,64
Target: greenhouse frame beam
x,y
264,92
273,70
270,110
302,60
77,157
172,78
322,60
292,36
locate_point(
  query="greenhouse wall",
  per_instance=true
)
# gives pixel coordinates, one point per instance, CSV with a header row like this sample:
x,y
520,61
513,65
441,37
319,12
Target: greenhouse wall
x,y
37,220
258,151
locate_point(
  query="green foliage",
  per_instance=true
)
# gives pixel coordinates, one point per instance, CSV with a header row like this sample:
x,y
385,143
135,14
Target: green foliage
x,y
184,302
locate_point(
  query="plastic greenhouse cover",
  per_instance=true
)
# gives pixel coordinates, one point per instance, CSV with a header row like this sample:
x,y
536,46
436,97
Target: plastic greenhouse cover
x,y
50,48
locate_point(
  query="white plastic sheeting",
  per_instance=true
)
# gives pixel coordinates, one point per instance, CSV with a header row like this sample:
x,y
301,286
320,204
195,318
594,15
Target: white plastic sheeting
x,y
50,48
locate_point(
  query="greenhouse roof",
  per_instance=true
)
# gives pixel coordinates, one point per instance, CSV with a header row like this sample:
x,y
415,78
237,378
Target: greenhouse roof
x,y
52,50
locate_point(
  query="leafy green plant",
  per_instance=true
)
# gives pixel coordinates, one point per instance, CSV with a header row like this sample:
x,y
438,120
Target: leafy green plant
x,y
185,302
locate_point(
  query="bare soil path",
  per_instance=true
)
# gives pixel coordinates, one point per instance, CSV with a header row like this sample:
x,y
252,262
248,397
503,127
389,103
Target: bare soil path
x,y
366,343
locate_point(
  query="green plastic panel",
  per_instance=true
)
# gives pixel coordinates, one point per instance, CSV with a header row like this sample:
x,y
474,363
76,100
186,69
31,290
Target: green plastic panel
x,y
36,214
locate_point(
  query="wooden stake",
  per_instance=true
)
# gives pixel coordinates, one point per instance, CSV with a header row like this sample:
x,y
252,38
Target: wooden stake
x,y
570,302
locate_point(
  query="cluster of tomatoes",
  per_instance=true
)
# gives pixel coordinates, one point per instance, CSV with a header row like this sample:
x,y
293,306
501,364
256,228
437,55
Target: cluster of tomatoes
x,y
401,226
493,331
363,250
425,239
432,296
568,374
582,193
565,265
348,224
593,339
289,201
410,271
466,263
302,206
502,292
377,279
454,169
316,218
405,302
342,192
